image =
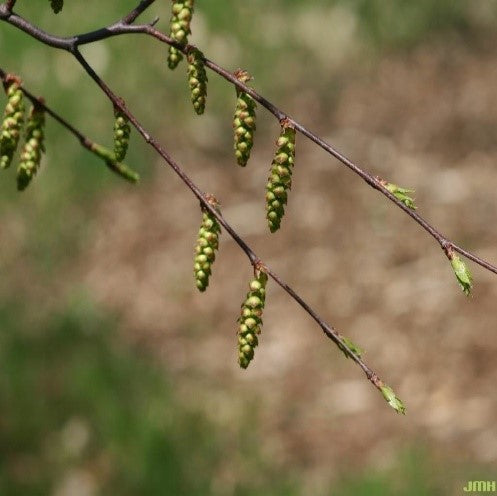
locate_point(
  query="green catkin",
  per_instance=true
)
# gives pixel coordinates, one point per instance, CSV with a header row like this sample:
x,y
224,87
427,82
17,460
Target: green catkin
x,y
250,321
243,121
115,166
33,147
122,131
280,177
13,120
197,79
181,18
57,5
206,246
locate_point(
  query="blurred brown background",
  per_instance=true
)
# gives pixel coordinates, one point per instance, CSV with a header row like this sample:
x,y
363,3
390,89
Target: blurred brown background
x,y
131,374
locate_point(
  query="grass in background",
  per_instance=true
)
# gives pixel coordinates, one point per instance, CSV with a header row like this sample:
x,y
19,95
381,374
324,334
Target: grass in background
x,y
80,407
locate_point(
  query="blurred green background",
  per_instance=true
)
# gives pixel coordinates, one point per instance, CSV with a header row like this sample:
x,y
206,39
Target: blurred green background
x,y
107,385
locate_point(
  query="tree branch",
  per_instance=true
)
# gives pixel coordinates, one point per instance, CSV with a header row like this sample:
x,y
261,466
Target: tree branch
x,y
83,140
373,181
132,16
328,330
124,26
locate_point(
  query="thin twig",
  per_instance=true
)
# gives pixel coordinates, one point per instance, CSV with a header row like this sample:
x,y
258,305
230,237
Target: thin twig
x,y
83,140
133,15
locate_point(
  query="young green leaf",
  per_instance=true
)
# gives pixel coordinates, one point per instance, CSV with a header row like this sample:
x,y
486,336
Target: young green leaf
x,y
402,194
352,347
462,273
392,399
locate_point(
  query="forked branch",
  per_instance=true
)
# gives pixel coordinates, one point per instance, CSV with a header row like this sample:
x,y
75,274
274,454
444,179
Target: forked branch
x,y
126,26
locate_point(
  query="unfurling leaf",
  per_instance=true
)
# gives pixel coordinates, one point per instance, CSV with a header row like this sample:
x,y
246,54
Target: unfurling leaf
x,y
462,273
392,399
352,347
402,194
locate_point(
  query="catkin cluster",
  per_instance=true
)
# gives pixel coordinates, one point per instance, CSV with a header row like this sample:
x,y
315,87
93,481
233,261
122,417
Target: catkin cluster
x,y
122,131
280,177
197,79
181,17
33,147
57,5
13,120
205,248
243,122
251,319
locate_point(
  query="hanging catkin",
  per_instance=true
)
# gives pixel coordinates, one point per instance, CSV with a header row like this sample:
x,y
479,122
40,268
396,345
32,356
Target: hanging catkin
x,y
57,5
33,147
251,319
197,79
243,121
181,18
280,177
206,246
13,120
122,131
